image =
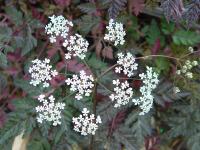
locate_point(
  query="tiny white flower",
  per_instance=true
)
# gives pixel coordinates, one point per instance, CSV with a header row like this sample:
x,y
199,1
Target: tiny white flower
x,y
189,75
176,90
115,33
49,110
178,72
190,49
98,120
126,64
194,63
86,123
41,72
83,84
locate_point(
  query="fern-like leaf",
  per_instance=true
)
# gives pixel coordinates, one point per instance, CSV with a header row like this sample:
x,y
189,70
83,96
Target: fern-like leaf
x,y
115,7
192,13
183,37
88,8
172,9
140,126
137,6
124,136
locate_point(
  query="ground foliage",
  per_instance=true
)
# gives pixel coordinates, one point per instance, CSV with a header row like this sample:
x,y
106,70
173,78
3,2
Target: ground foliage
x,y
174,121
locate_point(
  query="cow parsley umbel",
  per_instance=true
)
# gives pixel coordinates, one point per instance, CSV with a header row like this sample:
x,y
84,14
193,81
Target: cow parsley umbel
x,y
76,46
123,93
126,64
41,72
58,27
150,81
115,33
86,123
49,110
81,84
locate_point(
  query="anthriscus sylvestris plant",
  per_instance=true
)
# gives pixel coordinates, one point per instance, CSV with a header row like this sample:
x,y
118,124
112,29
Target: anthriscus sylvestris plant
x,y
83,85
84,99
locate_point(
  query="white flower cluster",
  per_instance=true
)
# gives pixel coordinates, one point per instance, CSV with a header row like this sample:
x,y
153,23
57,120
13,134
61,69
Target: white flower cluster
x,y
76,46
82,84
126,64
41,72
116,33
85,123
123,93
58,26
49,110
185,70
150,81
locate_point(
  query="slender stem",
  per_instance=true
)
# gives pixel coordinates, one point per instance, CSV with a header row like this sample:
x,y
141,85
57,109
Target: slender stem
x,y
170,57
128,78
94,111
106,71
189,54
105,87
67,74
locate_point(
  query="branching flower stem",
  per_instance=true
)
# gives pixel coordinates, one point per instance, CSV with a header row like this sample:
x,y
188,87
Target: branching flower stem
x,y
106,71
146,57
169,57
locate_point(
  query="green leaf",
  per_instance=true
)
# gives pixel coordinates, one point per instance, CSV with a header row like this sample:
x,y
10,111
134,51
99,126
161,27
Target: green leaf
x,y
3,82
86,23
17,123
25,86
8,48
194,141
17,42
167,28
140,126
24,104
132,30
3,60
154,33
39,144
14,14
29,43
162,64
87,8
183,37
123,135
5,34
96,63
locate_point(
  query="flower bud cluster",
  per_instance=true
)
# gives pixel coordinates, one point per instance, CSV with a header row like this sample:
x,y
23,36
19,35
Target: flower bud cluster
x,y
186,68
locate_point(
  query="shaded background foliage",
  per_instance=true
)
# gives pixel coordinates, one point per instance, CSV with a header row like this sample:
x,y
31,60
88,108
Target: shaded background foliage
x,y
173,123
